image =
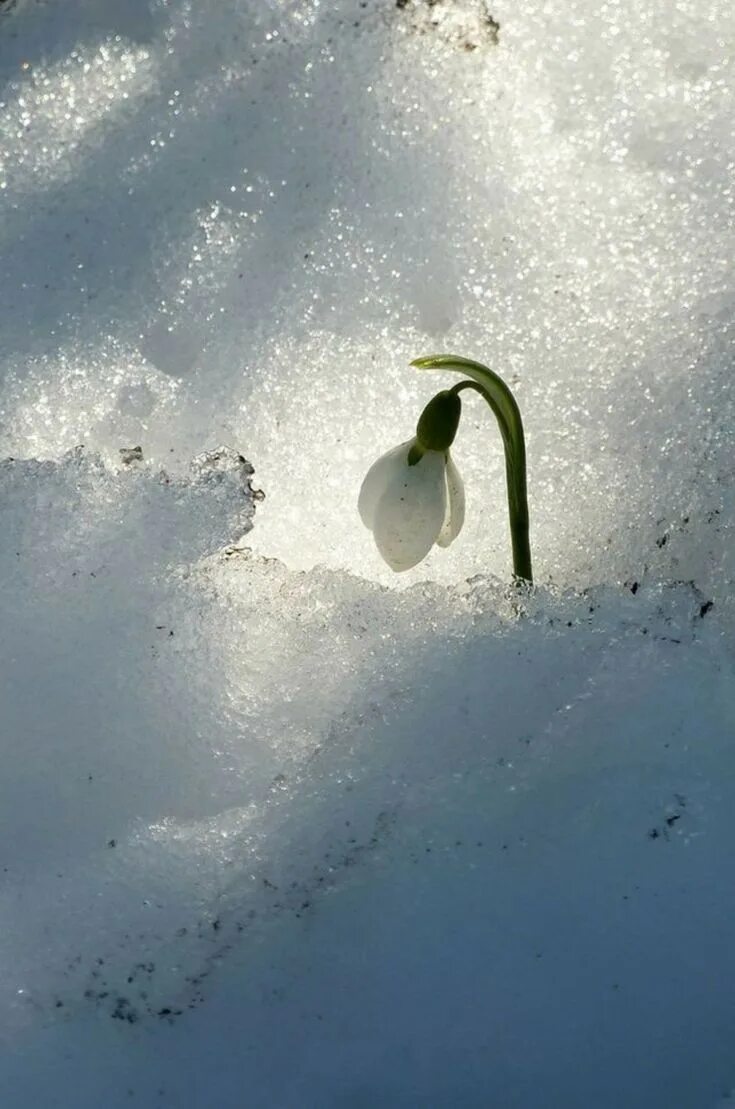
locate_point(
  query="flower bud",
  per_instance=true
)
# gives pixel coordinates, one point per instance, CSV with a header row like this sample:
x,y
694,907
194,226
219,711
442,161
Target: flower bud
x,y
438,422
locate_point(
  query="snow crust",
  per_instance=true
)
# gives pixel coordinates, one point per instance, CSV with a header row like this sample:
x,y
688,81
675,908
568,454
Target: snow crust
x,y
278,828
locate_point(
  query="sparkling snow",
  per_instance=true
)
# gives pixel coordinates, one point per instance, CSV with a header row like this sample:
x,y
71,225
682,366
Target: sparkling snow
x,y
278,827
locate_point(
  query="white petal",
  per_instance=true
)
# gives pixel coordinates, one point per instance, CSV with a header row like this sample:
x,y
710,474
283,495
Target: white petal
x,y
454,516
377,480
410,513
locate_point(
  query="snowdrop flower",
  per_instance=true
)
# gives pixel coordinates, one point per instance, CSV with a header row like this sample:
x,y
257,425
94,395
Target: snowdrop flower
x,y
413,496
408,507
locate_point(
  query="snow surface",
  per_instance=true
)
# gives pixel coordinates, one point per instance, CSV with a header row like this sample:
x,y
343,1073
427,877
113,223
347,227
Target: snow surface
x,y
279,828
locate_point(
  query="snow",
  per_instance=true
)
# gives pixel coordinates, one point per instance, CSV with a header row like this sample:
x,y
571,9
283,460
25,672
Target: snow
x,y
278,827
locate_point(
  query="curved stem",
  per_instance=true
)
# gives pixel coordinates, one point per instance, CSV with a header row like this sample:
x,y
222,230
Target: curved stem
x,y
506,411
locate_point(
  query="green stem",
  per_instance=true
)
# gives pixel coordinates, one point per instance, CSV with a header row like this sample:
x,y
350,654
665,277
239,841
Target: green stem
x,y
504,407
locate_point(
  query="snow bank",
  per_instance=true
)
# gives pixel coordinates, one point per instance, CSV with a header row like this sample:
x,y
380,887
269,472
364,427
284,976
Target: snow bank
x,y
279,828
501,819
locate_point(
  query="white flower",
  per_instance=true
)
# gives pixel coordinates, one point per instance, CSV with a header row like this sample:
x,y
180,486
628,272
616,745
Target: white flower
x,y
410,508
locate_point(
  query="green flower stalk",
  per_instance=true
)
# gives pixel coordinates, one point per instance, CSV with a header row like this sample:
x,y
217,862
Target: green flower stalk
x,y
413,496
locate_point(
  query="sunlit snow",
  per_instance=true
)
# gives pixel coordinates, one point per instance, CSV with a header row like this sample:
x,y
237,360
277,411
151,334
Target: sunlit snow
x,y
279,828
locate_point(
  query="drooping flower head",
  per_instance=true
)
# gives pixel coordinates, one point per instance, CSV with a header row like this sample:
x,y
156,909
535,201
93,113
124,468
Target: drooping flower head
x,y
413,496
